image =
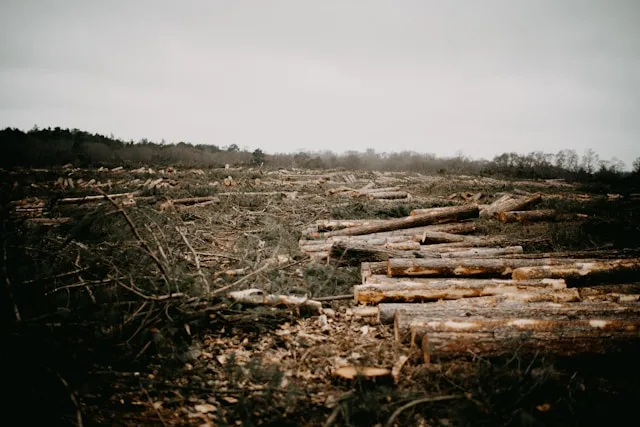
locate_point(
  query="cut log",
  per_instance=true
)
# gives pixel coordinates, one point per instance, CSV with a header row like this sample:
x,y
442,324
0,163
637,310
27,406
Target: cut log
x,y
259,297
429,211
367,269
495,337
469,267
330,225
527,216
364,312
481,306
434,237
378,190
403,246
315,232
582,269
484,252
448,289
388,195
74,200
624,288
507,203
452,214
403,316
195,200
491,307
353,253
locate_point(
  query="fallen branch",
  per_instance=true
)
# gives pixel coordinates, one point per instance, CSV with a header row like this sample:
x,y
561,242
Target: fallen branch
x,y
196,258
258,297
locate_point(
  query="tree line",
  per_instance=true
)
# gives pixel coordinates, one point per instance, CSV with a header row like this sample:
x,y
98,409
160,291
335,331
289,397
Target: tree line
x,y
50,147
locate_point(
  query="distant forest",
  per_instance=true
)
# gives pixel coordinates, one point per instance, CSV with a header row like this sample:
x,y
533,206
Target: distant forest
x,y
48,147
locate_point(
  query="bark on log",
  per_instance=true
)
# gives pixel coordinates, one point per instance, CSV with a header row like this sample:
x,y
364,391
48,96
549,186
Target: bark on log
x,y
495,337
330,225
452,214
470,267
527,216
367,269
453,228
404,246
484,252
354,253
73,200
435,237
258,297
506,203
490,307
404,315
582,269
447,289
429,211
483,306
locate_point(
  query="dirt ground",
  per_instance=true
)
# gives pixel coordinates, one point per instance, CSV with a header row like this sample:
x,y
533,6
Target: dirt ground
x,y
124,318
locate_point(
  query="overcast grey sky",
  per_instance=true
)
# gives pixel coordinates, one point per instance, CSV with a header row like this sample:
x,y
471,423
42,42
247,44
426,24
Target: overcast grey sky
x,y
479,76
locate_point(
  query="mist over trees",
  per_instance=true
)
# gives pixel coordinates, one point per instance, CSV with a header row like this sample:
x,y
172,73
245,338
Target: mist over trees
x,y
51,147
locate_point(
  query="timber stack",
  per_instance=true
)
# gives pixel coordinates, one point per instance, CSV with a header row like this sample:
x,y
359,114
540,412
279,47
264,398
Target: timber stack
x,y
450,293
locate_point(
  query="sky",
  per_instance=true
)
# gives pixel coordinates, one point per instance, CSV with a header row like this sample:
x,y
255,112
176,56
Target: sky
x,y
442,77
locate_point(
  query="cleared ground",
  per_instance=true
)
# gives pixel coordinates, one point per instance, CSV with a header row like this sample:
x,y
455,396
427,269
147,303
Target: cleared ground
x,y
124,319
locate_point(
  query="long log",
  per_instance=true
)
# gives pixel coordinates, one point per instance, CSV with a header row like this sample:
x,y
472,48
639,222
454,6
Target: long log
x,y
452,214
501,306
484,252
495,337
447,289
354,253
73,200
527,216
582,269
403,316
428,211
466,267
363,191
317,231
388,195
330,225
487,242
194,200
507,203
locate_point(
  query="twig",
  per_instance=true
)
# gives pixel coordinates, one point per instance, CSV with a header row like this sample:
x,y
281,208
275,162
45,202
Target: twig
x,y
398,411
144,390
334,298
207,287
152,297
144,244
80,284
72,397
7,282
333,417
57,276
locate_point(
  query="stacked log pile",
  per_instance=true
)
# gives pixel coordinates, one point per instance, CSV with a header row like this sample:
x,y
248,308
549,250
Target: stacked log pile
x,y
450,293
370,192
